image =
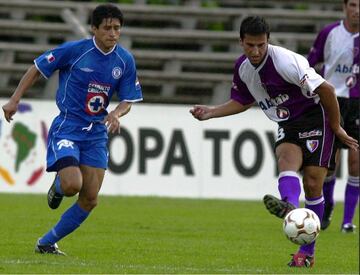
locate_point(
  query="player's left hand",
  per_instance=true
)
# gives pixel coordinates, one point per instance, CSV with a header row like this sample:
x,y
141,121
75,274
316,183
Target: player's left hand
x,y
112,122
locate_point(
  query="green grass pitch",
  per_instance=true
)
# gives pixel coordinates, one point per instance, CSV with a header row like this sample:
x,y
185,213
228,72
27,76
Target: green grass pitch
x,y
159,235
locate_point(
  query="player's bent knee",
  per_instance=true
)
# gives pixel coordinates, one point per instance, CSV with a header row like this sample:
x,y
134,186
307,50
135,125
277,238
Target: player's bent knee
x,y
71,188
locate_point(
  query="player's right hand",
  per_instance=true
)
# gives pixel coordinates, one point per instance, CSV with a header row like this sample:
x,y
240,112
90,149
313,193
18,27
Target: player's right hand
x,y
201,112
10,110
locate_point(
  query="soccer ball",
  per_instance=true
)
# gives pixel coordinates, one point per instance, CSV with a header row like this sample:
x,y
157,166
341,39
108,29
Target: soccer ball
x,y
301,226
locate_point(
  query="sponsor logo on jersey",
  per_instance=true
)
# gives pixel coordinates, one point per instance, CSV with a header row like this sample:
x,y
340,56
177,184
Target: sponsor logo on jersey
x,y
116,72
312,145
50,57
99,88
65,143
282,113
268,103
343,69
355,69
312,133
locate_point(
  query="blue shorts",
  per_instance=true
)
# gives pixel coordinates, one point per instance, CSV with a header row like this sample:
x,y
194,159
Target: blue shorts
x,y
73,142
63,153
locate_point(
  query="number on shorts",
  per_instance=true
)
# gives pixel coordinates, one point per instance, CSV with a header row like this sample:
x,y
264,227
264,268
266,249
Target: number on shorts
x,y
281,134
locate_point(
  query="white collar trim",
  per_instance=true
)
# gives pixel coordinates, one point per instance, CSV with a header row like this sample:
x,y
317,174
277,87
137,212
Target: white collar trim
x,y
104,53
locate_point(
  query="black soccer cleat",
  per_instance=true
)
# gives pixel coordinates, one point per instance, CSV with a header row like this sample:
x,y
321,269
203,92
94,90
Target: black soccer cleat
x,y
48,249
348,228
326,220
277,207
54,199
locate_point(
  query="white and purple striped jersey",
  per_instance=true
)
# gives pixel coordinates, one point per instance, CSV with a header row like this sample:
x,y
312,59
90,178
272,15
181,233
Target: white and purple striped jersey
x,y
338,49
283,84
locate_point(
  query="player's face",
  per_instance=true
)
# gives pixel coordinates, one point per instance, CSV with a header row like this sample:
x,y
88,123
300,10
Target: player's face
x,y
352,13
107,34
255,47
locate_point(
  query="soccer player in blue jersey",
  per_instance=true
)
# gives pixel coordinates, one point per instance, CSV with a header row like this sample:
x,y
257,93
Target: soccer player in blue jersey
x,y
303,104
337,48
90,72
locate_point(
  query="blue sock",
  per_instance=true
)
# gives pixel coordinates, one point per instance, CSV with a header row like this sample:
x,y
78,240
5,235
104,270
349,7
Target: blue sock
x,y
70,220
58,185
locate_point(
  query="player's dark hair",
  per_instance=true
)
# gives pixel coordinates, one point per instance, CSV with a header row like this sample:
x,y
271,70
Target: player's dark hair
x,y
346,1
254,25
104,11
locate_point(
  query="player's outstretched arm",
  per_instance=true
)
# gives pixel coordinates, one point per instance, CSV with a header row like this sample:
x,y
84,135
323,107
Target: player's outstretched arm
x,y
328,99
112,119
203,112
28,79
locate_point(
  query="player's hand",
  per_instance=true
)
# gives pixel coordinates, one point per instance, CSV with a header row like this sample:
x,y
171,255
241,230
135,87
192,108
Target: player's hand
x,y
201,112
112,122
10,109
346,139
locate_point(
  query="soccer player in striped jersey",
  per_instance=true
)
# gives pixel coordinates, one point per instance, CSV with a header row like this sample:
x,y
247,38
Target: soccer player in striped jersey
x,y
337,49
303,104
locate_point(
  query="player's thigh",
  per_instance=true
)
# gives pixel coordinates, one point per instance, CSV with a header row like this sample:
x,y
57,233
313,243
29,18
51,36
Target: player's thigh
x,y
289,157
313,178
71,179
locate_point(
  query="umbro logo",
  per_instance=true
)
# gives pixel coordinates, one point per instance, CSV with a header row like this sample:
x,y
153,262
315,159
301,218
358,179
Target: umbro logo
x,y
86,70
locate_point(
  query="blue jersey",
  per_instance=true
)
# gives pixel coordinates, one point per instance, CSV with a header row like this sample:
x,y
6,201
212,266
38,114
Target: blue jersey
x,y
88,78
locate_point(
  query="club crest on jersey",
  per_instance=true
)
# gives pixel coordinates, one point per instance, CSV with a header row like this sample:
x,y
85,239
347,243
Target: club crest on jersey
x,y
312,145
50,57
282,112
116,72
95,103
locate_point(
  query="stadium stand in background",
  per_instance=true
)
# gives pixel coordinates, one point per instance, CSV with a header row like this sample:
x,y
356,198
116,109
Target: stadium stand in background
x,y
185,50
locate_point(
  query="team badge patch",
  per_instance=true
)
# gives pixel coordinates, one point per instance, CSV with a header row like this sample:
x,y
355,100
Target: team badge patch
x,y
95,103
350,81
116,72
312,145
282,112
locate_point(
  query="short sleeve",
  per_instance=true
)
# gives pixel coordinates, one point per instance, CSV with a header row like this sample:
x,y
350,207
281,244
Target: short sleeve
x,y
239,90
296,70
55,59
129,86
